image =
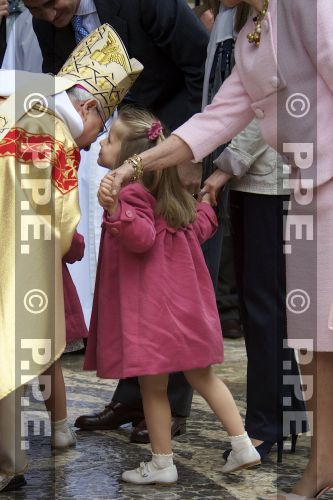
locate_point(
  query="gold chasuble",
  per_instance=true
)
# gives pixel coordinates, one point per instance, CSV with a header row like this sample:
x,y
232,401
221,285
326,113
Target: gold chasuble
x,y
39,213
39,201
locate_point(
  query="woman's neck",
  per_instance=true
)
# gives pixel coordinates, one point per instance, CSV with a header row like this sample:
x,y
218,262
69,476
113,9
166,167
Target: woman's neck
x,y
257,4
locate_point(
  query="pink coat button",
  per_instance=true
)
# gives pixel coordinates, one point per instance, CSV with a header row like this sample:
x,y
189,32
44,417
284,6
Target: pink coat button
x,y
276,82
260,113
114,231
129,214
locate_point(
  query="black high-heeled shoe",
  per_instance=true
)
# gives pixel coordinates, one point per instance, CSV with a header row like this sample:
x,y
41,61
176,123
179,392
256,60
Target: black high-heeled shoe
x,y
265,448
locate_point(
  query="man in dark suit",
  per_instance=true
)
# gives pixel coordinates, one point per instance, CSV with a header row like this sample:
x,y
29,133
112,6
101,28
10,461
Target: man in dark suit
x,y
167,38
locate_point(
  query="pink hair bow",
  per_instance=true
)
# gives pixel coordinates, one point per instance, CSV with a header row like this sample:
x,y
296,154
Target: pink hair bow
x,y
155,131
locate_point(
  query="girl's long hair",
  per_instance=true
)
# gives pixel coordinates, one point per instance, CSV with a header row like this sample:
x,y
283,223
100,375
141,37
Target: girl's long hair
x,y
174,203
242,13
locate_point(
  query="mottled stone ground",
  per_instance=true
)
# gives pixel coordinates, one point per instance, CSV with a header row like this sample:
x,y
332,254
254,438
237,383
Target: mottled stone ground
x,y
92,470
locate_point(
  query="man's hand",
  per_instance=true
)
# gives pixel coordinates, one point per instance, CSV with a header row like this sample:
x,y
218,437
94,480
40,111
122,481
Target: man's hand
x,y
190,176
4,8
213,184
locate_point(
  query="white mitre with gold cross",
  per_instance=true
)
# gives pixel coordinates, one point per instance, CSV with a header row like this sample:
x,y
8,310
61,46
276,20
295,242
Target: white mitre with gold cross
x,y
101,65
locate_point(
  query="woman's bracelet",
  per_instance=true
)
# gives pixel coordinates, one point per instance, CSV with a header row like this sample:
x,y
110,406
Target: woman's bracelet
x,y
137,164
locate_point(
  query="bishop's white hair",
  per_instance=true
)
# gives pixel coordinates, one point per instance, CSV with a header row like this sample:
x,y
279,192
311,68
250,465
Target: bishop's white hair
x,y
80,94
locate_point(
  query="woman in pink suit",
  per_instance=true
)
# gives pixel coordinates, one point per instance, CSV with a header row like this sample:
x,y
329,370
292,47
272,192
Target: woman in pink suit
x,y
284,77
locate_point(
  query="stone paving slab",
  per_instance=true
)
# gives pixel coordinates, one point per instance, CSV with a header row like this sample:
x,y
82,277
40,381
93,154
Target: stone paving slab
x,y
92,470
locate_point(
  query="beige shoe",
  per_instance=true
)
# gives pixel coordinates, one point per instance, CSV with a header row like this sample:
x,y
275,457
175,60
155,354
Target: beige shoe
x,y
289,496
293,496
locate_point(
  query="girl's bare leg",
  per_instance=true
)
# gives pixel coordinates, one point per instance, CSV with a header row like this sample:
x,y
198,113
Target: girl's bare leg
x,y
62,435
157,411
219,398
56,403
215,392
160,469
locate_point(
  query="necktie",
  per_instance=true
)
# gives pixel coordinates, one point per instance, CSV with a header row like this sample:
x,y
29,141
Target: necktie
x,y
79,30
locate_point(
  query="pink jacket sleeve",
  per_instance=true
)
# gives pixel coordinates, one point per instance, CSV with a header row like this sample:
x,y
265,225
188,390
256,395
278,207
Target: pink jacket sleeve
x,y
205,225
134,221
225,117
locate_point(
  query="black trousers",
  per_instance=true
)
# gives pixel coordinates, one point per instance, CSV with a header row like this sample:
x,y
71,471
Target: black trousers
x,y
257,226
180,392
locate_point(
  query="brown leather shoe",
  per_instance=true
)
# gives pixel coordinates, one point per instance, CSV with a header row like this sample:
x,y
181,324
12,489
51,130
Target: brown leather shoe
x,y
113,416
232,329
140,433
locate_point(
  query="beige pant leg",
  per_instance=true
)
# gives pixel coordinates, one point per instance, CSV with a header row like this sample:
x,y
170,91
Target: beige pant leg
x,y
13,460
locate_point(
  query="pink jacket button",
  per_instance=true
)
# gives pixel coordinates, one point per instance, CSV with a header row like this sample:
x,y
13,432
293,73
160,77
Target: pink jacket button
x,y
275,81
265,24
129,214
259,113
114,231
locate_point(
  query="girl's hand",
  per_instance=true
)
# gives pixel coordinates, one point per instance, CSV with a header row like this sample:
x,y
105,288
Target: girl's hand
x,y
106,197
213,184
4,8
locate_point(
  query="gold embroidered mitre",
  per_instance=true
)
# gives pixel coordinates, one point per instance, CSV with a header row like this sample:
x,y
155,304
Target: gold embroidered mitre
x,y
100,64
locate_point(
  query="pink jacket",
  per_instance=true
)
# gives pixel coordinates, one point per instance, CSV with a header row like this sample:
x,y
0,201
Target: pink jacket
x,y
289,75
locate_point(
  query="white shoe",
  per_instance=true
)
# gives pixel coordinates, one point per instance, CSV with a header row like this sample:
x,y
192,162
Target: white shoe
x,y
242,459
64,438
4,481
147,474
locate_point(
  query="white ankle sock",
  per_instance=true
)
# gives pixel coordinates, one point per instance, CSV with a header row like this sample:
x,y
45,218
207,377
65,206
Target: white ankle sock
x,y
62,435
161,461
240,442
60,425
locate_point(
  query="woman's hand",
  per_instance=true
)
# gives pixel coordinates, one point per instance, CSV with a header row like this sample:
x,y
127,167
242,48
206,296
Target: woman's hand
x,y
190,175
4,8
213,184
120,177
205,198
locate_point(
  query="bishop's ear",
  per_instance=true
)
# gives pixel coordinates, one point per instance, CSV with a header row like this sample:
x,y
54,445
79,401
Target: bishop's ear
x,y
86,106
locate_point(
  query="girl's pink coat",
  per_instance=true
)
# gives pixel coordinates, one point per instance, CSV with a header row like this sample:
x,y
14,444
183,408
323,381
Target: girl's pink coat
x,y
154,306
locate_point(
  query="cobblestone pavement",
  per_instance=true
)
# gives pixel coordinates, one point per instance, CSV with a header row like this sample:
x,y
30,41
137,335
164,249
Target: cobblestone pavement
x,y
91,471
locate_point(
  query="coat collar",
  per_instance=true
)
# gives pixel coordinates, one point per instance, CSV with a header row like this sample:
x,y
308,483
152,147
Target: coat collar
x,y
107,11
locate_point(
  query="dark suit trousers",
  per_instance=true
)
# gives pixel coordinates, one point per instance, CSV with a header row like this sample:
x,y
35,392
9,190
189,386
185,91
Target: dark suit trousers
x,y
257,225
180,394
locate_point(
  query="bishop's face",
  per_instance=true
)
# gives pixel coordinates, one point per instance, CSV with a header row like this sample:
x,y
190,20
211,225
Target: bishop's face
x,y
57,12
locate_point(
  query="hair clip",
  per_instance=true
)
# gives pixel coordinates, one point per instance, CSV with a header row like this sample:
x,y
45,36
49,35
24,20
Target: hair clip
x,y
155,131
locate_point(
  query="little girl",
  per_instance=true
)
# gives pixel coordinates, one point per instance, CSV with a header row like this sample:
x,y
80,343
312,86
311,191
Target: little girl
x,y
154,308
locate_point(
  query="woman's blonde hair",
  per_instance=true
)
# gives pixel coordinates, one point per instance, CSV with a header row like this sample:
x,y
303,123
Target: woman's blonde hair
x,y
174,203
